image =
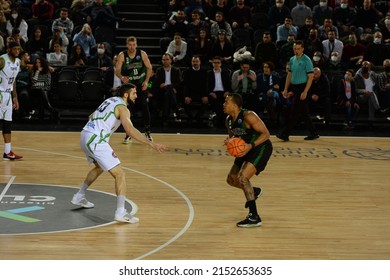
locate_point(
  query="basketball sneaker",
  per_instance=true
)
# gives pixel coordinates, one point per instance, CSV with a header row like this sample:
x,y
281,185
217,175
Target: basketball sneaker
x,y
250,221
148,136
258,192
81,201
126,140
11,156
126,217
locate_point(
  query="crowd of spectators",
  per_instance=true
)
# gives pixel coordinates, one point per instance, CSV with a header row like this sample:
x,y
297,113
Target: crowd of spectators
x,y
340,36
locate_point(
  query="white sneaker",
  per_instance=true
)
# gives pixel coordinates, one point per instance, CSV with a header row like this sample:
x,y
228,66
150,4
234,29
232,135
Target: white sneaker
x,y
126,140
83,202
126,218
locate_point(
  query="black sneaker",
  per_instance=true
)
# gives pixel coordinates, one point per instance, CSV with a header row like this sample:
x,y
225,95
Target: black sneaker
x,y
258,192
148,136
311,137
282,137
250,221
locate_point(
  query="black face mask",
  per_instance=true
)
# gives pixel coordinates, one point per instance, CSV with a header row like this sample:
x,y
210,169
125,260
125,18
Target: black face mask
x,y
364,70
387,69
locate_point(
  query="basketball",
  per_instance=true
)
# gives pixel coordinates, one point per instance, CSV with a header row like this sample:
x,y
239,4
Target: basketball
x,y
235,146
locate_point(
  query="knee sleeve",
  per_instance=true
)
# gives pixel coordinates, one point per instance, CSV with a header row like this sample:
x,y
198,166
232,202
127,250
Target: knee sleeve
x,y
7,126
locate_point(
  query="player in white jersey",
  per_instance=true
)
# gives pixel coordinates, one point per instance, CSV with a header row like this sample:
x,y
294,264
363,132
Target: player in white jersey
x,y
9,69
94,142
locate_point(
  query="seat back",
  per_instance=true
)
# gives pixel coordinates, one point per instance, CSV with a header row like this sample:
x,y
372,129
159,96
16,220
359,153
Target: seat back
x,y
92,91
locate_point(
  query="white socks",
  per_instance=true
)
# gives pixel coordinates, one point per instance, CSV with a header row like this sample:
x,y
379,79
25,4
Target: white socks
x,y
7,148
120,204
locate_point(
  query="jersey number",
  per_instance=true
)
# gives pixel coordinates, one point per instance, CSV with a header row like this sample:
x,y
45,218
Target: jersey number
x,y
103,106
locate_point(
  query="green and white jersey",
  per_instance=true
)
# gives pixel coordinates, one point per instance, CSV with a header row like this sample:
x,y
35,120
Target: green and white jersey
x,y
8,73
104,122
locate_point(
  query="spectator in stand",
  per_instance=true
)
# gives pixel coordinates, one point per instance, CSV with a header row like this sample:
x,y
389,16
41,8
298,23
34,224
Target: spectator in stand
x,y
268,84
366,19
266,50
313,43
168,87
78,17
318,60
193,5
332,44
101,60
220,24
17,22
244,82
5,6
221,6
366,81
176,23
344,18
218,86
77,56
240,16
59,37
195,90
322,11
277,15
223,48
202,46
323,29
319,96
85,38
100,14
377,51
300,13
384,86
334,64
382,7
286,51
37,45
385,30
40,88
15,36
195,25
57,58
304,31
284,30
23,85
178,50
347,97
64,23
42,13
3,25
353,52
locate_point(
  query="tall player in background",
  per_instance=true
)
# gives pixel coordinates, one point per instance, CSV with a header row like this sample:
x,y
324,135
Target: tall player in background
x,y
94,142
133,66
9,69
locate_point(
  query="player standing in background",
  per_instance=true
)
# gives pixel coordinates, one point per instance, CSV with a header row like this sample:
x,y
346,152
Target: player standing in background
x,y
133,66
9,69
94,142
248,126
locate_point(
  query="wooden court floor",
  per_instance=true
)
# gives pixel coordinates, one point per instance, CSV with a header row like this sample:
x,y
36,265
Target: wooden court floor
x,y
325,199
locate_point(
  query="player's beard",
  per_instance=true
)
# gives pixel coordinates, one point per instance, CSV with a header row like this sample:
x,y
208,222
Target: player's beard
x,y
130,102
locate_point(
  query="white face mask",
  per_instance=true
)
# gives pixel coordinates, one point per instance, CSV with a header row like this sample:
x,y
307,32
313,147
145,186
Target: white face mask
x,y
14,16
377,40
316,58
387,21
334,58
323,4
344,6
100,51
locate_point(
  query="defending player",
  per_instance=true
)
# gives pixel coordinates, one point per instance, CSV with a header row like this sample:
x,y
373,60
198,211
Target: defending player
x,y
94,142
248,126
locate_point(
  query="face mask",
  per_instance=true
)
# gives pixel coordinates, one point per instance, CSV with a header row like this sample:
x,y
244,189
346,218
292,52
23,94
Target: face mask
x,y
387,69
352,41
387,21
14,16
312,36
300,6
364,69
100,51
347,78
344,6
377,40
316,58
333,58
279,5
323,4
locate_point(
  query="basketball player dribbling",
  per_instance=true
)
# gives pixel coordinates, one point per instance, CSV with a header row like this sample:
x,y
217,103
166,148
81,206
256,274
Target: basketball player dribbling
x,y
247,125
